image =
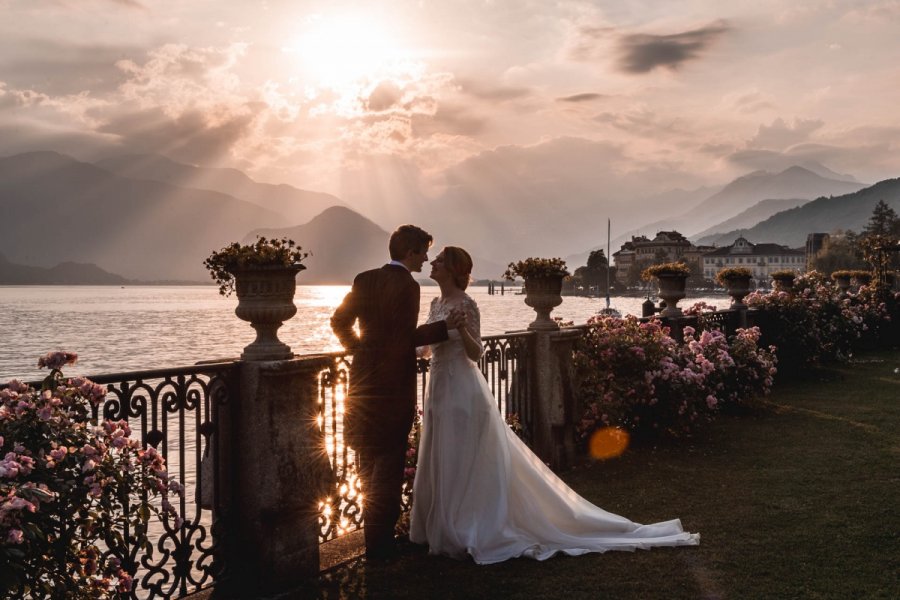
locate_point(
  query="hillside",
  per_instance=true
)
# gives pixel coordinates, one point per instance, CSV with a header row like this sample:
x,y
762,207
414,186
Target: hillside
x,y
58,209
68,273
750,217
849,211
297,206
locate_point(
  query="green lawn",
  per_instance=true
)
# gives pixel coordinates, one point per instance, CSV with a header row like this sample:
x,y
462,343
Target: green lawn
x,y
798,500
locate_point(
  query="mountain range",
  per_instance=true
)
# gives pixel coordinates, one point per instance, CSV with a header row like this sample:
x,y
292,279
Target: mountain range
x,y
756,195
68,273
148,218
824,215
295,205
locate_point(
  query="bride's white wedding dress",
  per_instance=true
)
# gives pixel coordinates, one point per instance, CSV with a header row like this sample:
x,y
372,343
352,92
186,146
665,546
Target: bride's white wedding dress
x,y
479,490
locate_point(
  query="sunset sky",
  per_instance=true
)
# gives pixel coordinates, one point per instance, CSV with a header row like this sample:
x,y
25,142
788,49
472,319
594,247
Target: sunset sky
x,y
394,106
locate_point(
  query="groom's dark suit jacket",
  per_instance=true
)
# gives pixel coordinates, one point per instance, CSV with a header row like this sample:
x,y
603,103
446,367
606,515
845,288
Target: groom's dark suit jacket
x,y
382,399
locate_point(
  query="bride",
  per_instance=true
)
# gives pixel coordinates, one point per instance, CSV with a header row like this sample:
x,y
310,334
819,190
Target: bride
x,y
478,490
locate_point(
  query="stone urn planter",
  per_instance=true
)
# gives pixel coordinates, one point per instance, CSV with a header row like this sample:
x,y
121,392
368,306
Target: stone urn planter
x,y
671,290
737,288
266,300
264,277
543,294
842,281
736,281
784,282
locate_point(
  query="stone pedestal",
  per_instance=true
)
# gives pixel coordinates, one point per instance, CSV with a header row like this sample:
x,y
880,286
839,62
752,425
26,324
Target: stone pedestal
x,y
554,397
279,471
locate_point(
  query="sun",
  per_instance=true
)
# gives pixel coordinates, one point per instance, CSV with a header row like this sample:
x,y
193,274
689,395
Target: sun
x,y
339,51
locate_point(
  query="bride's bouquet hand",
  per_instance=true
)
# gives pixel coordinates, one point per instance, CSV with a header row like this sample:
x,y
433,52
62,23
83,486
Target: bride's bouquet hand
x,y
456,319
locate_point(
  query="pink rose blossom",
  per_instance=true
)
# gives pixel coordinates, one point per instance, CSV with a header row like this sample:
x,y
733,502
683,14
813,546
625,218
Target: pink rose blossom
x,y
15,536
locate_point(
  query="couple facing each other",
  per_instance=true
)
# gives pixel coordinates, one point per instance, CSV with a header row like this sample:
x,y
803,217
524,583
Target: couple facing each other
x,y
479,490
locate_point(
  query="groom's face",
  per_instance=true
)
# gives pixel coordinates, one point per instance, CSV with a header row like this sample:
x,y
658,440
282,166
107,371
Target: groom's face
x,y
417,258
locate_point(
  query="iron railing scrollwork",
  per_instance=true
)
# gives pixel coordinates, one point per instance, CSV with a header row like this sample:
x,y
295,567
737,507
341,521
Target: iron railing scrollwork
x,y
341,511
505,366
724,320
175,410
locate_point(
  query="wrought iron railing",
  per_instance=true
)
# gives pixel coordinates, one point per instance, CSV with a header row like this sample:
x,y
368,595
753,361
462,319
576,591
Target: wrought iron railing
x,y
727,321
505,367
176,410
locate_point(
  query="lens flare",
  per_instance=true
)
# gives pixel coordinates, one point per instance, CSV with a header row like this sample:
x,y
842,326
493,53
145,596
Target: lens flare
x,y
608,442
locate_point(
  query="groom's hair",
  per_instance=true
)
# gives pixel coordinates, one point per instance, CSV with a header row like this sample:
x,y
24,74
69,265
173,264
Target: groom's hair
x,y
408,238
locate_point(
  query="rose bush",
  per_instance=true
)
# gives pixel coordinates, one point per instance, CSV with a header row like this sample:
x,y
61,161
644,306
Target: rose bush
x,y
636,376
814,324
70,488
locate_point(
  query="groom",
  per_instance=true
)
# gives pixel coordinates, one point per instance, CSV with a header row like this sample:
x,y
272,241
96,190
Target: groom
x,y
381,406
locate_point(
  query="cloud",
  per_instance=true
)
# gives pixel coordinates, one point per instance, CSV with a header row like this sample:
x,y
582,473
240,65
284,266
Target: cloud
x,y
386,95
643,122
866,152
129,4
53,67
586,97
780,135
490,91
189,137
750,102
644,52
447,119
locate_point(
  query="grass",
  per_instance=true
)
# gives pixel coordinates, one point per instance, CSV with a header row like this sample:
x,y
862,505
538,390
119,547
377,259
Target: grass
x,y
796,500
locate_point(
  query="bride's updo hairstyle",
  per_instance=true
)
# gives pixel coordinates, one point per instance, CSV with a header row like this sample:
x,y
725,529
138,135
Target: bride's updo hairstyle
x,y
459,263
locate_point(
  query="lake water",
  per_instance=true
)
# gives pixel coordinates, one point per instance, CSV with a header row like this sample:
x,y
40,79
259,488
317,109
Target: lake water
x,y
131,328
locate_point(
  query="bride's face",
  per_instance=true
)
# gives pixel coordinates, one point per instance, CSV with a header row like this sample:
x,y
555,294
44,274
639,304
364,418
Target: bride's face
x,y
438,271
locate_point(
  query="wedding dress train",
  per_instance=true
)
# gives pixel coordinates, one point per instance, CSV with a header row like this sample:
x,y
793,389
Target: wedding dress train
x,y
480,491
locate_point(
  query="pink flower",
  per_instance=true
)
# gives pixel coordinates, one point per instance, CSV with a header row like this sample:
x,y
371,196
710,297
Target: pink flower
x,y
711,401
55,360
15,536
125,582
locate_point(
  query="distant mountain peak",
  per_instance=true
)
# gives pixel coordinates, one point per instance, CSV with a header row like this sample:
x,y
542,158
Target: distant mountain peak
x,y
798,170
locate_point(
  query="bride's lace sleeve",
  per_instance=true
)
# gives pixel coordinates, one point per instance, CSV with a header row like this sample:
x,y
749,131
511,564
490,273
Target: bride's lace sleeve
x,y
473,320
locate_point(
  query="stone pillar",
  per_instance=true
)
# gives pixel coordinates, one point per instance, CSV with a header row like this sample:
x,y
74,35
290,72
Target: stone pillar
x,y
553,396
279,471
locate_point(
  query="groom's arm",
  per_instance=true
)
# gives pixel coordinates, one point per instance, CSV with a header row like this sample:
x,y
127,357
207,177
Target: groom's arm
x,y
345,316
429,333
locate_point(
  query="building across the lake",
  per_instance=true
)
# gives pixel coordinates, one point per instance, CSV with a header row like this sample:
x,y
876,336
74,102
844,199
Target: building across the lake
x,y
667,246
762,259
